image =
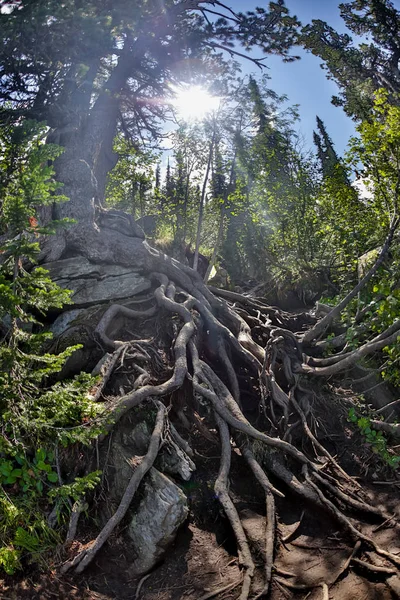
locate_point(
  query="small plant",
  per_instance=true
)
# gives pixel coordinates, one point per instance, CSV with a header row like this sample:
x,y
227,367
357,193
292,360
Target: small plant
x,y
26,474
375,438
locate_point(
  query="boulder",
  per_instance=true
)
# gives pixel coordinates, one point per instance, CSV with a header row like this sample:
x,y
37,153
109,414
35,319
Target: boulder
x,y
134,441
174,461
64,321
96,283
153,527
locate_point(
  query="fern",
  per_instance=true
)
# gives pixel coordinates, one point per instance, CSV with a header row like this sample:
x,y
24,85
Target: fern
x,y
25,540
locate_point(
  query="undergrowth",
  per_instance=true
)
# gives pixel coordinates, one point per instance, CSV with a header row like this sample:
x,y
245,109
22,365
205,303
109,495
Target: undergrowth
x,y
38,413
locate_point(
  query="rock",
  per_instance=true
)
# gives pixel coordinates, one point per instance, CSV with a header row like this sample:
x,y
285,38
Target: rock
x,y
118,220
148,223
174,461
134,441
219,278
162,510
93,283
171,459
64,321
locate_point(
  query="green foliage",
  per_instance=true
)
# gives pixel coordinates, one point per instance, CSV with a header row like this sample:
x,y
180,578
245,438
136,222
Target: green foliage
x,y
375,438
55,53
77,488
377,151
29,474
9,559
131,179
361,66
37,413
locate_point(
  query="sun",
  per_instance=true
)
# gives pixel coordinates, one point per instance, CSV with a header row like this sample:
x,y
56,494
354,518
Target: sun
x,y
194,103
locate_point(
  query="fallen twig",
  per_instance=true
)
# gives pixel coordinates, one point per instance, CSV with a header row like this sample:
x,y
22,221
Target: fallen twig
x,y
139,587
374,568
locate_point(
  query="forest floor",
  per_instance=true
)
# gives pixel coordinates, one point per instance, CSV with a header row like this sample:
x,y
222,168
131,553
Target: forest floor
x,y
204,558
311,548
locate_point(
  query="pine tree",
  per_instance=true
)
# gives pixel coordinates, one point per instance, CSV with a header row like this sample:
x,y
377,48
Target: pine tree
x,y
360,69
328,158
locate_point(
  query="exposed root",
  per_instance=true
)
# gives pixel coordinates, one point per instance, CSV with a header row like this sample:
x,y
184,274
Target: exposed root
x,y
78,508
325,591
270,530
317,444
110,315
106,372
140,585
349,527
388,337
373,568
207,329
221,491
347,562
349,501
291,533
82,560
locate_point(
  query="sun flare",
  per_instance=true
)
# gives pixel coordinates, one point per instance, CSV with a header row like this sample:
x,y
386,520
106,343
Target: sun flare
x,y
194,103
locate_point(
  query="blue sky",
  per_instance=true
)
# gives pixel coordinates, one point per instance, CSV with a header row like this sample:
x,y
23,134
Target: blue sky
x,y
303,81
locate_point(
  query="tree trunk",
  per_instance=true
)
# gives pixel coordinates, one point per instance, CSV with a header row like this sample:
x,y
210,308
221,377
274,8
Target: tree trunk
x,y
202,201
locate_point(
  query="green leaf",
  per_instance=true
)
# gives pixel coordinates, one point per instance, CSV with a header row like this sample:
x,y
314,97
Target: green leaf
x,y
10,480
40,454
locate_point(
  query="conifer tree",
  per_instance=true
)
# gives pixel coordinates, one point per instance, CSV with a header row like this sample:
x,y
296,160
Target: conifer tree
x,y
360,68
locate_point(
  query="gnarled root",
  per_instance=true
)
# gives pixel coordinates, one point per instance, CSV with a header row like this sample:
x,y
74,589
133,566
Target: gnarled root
x,y
85,557
213,347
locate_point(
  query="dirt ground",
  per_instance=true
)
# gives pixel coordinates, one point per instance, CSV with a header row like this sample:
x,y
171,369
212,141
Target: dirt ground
x,y
204,558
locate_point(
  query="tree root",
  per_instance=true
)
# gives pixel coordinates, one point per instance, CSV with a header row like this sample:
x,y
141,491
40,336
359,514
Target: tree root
x,y
348,526
291,533
210,328
82,560
221,491
106,372
270,530
373,568
110,315
78,508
